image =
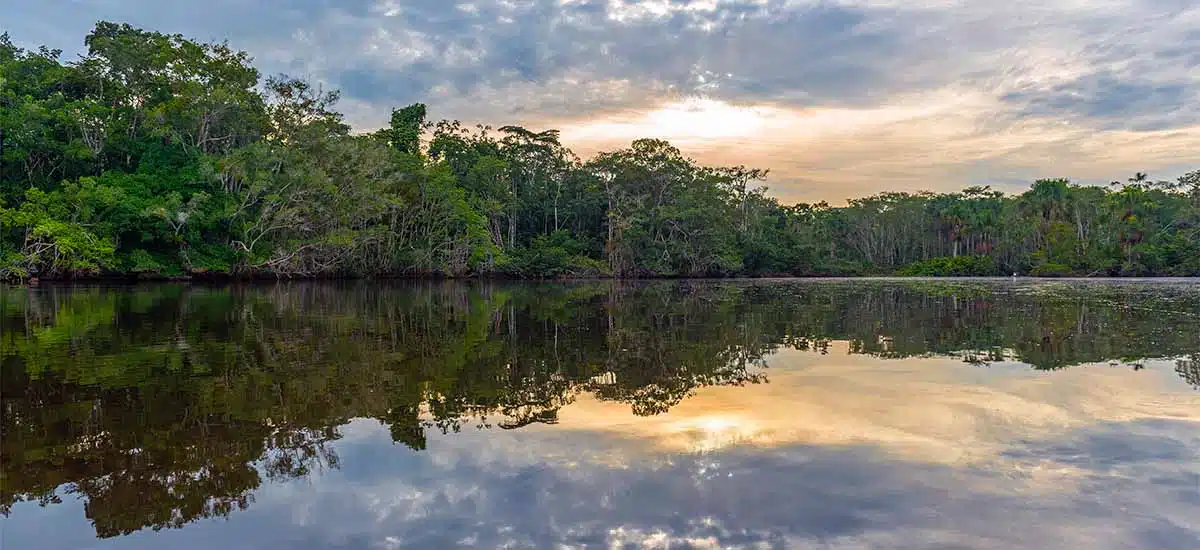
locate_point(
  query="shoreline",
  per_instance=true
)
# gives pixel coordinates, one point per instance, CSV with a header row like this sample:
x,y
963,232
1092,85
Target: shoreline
x,y
253,280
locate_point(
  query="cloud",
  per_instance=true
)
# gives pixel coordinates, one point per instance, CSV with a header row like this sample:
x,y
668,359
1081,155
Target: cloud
x,y
1139,76
835,452
492,490
1003,89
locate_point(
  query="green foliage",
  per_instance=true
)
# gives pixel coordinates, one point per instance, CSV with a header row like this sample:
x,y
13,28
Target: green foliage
x,y
961,266
558,254
157,155
142,263
57,234
404,132
1050,270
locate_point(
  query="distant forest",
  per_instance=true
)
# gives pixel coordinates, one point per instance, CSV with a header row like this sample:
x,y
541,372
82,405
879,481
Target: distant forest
x,y
158,156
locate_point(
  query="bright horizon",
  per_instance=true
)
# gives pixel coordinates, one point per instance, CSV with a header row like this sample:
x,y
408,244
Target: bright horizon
x,y
838,99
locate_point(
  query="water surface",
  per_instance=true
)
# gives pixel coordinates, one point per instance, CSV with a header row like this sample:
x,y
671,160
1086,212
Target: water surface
x,y
681,414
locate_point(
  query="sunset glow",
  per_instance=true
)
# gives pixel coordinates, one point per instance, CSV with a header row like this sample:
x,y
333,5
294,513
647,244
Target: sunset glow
x,y
692,119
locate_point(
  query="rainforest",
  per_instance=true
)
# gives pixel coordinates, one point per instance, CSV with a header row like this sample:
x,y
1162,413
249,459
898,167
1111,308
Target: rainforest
x,y
156,156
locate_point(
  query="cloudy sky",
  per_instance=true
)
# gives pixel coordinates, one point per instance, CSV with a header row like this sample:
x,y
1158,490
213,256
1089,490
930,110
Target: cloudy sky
x,y
838,98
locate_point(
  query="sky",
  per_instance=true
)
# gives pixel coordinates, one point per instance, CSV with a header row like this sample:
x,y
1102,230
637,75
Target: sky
x,y
836,98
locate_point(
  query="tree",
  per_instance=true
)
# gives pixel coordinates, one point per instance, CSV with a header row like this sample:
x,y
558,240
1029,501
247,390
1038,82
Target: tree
x,y
158,155
404,132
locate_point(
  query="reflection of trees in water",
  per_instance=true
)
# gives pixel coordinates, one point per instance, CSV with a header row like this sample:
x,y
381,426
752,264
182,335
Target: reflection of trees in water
x,y
169,404
1055,328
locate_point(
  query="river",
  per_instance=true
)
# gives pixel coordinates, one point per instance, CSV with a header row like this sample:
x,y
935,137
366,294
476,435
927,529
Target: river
x,y
683,414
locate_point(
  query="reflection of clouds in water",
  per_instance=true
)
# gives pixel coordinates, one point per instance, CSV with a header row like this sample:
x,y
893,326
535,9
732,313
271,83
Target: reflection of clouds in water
x,y
930,409
1116,459
847,453
842,496
835,452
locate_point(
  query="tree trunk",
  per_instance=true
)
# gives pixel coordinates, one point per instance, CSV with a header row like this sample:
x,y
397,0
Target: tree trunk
x,y
512,230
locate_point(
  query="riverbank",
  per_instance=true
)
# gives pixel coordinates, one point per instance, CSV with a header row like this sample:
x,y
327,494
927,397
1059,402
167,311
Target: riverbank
x,y
229,279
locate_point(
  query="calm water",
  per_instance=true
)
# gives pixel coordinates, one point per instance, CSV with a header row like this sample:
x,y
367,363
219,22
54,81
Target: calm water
x,y
765,414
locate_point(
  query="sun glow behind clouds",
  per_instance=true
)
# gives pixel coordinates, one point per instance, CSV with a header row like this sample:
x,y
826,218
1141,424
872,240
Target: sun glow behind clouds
x,y
702,120
694,118
706,118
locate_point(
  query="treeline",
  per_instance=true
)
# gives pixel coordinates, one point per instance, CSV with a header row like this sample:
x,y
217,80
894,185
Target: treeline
x,y
159,156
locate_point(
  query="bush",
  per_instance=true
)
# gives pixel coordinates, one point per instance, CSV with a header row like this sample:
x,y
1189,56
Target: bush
x,y
11,268
946,266
558,254
1050,269
142,263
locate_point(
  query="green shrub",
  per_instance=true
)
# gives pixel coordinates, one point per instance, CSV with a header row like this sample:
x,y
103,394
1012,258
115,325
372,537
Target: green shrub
x,y
1050,270
11,268
946,266
558,254
142,263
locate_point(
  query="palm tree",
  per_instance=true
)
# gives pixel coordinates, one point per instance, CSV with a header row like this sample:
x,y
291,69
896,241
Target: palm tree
x,y
1138,180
